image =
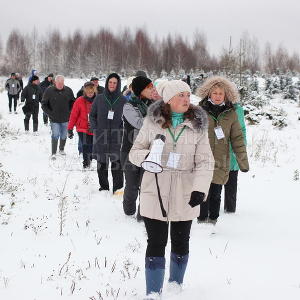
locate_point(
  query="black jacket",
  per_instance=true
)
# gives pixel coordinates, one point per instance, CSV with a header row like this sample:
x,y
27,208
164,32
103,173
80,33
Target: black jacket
x,y
108,133
57,104
45,84
32,94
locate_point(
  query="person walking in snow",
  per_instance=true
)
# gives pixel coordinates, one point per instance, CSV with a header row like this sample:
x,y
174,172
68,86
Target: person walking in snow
x,y
134,112
218,96
32,95
48,81
57,103
80,118
107,125
13,88
172,198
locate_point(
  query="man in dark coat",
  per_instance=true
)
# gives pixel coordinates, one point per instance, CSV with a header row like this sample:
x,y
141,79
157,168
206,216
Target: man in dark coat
x,y
32,95
57,103
106,122
48,81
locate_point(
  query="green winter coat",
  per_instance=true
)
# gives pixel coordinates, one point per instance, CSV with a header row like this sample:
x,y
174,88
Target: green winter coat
x,y
240,113
231,128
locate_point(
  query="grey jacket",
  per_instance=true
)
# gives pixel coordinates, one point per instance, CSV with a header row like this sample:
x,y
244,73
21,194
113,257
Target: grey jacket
x,y
12,86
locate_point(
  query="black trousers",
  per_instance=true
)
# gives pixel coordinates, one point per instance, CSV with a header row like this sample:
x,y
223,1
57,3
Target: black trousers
x,y
86,141
116,171
211,207
10,98
35,118
133,177
157,232
230,192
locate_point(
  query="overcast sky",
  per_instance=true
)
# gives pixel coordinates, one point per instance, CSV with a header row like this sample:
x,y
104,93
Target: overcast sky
x,y
276,21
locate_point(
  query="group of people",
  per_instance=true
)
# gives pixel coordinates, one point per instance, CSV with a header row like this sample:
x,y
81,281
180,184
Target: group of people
x,y
202,147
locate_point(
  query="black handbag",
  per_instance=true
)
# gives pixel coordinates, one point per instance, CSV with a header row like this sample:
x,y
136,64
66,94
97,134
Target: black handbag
x,y
27,109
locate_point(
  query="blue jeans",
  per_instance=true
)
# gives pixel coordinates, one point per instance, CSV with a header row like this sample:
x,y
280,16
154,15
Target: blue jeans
x,y
59,130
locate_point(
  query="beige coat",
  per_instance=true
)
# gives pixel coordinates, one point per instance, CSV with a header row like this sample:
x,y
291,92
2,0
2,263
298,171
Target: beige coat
x,y
194,172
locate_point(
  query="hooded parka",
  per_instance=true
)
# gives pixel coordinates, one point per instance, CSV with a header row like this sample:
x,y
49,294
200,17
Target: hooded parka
x,y
227,119
108,132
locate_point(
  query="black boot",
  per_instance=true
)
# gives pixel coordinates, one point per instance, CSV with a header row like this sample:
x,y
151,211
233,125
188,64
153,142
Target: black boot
x,y
62,144
54,143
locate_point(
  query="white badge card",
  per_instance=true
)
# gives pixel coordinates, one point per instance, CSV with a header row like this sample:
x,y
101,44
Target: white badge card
x,y
110,115
13,85
173,160
219,133
33,96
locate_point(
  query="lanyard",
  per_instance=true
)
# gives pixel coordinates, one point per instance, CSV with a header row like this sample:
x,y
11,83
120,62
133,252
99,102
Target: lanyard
x,y
175,138
111,104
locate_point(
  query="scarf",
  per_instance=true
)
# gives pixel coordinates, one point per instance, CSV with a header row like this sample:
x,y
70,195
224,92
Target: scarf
x,y
140,104
177,118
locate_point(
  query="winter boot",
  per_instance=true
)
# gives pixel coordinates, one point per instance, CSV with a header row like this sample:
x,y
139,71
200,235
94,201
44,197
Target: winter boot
x,y
54,143
35,127
155,272
62,144
178,265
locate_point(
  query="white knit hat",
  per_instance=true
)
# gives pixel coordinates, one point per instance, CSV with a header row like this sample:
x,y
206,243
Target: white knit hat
x,y
168,89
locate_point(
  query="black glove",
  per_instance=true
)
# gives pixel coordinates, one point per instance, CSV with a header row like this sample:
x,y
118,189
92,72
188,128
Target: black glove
x,y
70,134
196,198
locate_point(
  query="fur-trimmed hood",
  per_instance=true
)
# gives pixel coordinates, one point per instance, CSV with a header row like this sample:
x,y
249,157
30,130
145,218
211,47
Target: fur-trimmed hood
x,y
199,123
231,91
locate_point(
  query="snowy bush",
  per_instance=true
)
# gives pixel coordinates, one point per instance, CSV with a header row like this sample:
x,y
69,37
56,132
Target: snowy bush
x,y
6,182
279,122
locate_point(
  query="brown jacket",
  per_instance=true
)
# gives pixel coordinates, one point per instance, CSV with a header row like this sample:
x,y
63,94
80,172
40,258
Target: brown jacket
x,y
194,172
231,128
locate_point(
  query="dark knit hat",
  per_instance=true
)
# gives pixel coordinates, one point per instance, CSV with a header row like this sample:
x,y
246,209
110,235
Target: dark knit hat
x,y
139,84
34,78
51,75
140,73
94,78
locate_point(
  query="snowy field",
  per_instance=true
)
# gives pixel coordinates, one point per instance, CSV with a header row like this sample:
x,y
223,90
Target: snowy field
x,y
60,238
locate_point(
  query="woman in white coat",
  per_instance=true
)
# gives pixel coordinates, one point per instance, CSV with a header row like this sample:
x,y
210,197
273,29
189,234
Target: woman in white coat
x,y
174,195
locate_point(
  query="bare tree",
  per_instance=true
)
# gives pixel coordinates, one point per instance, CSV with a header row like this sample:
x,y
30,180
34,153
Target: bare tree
x,y
17,56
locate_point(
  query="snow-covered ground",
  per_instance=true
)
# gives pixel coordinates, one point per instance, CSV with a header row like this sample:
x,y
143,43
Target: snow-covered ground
x,y
60,238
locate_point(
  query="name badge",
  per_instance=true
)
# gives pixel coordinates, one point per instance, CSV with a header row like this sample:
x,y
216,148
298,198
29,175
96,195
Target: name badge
x,y
173,160
33,97
110,115
219,133
13,85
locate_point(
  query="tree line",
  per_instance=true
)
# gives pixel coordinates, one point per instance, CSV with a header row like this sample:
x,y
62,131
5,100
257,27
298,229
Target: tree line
x,y
81,54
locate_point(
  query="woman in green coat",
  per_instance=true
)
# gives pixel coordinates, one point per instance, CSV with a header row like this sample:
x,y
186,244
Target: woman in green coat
x,y
218,96
231,185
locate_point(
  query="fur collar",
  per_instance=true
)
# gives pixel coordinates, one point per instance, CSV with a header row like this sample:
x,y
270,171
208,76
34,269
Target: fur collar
x,y
199,123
